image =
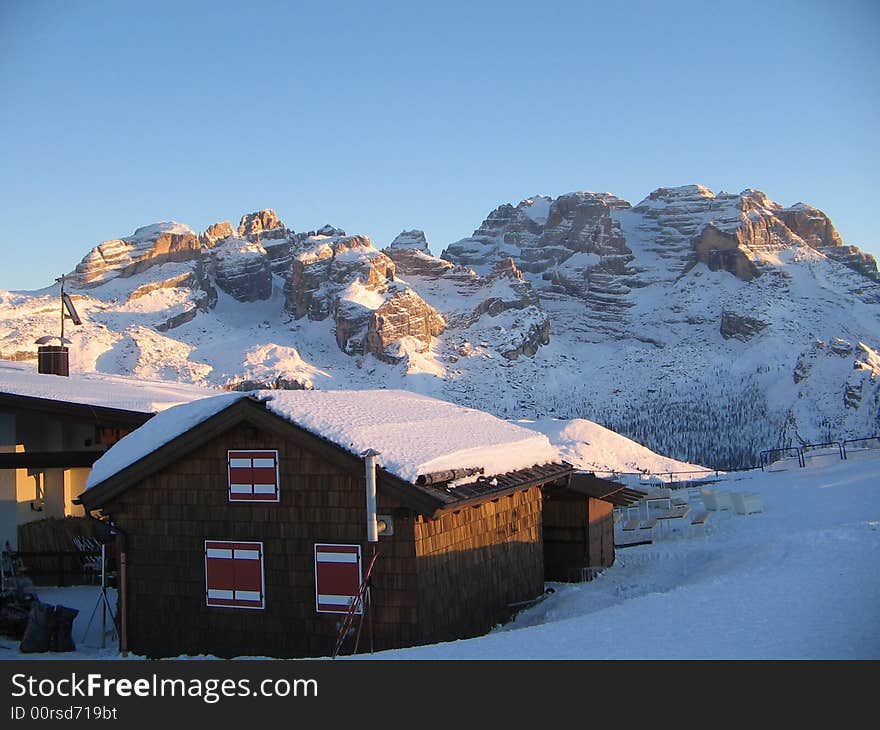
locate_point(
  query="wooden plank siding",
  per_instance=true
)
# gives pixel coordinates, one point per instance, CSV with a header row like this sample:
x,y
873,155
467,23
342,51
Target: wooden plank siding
x,y
578,533
442,579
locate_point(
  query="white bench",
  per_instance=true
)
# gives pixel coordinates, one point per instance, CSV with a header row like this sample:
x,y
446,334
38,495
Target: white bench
x,y
747,503
676,514
716,501
701,518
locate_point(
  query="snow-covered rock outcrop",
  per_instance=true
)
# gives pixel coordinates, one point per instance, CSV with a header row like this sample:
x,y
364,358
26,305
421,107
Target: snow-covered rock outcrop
x,y
411,240
242,269
347,278
572,243
501,309
148,246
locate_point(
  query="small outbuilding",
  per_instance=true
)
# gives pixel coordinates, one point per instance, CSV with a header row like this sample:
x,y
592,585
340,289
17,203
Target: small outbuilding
x,y
245,521
579,526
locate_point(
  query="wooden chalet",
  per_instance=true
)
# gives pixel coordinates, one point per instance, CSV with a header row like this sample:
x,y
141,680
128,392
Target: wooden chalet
x,y
244,534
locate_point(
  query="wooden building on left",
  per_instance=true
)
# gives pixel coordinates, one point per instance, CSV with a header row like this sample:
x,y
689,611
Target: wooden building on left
x,y
52,429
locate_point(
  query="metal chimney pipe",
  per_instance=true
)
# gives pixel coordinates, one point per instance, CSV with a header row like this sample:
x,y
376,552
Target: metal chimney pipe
x,y
370,466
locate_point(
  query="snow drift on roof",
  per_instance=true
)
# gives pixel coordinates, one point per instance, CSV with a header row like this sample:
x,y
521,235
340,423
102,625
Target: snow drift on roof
x,y
414,434
98,389
592,447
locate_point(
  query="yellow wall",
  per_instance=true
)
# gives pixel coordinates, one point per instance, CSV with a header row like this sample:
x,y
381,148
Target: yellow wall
x,y
9,502
26,496
74,485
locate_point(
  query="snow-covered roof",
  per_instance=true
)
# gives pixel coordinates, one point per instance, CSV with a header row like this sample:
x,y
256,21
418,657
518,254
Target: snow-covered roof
x,y
97,389
414,434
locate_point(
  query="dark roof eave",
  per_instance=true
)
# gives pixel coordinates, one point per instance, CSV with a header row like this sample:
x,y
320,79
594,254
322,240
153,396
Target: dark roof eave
x,y
50,459
587,484
563,472
107,414
407,493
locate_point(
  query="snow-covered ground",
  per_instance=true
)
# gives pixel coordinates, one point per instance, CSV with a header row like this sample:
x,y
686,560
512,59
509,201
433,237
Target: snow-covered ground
x,y
801,580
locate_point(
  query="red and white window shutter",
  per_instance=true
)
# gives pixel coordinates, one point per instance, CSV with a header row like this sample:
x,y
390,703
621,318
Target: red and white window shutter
x,y
337,577
253,475
234,574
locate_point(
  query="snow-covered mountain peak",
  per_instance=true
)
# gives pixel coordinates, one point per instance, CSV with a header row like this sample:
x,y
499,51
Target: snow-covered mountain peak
x,y
153,231
537,208
261,224
217,232
149,245
676,195
414,240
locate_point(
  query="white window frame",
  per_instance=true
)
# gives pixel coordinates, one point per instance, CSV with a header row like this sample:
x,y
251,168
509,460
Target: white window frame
x,y
343,608
261,558
250,497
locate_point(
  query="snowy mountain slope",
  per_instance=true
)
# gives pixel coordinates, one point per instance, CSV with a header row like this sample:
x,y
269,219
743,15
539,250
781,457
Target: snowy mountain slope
x,y
708,327
690,315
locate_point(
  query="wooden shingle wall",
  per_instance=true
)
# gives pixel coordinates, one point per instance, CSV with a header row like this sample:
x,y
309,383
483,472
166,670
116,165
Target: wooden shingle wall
x,y
168,517
476,562
578,533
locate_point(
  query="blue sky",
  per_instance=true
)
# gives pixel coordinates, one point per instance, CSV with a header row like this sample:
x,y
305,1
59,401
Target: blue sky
x,y
377,117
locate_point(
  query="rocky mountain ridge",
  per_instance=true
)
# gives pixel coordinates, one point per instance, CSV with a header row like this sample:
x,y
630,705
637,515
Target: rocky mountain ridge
x,y
707,326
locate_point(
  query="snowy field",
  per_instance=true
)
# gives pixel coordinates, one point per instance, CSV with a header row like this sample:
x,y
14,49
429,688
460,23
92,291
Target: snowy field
x,y
801,580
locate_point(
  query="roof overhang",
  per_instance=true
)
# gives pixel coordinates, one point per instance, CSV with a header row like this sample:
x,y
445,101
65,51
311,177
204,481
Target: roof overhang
x,y
589,485
99,414
485,489
49,459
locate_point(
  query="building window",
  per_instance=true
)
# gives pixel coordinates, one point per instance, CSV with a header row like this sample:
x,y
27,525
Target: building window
x,y
108,436
253,475
337,577
234,574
